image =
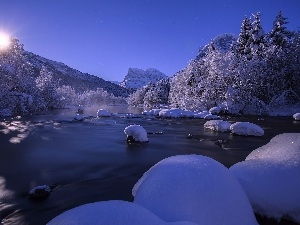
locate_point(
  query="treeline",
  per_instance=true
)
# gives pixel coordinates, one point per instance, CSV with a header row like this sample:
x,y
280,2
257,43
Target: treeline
x,y
249,74
22,92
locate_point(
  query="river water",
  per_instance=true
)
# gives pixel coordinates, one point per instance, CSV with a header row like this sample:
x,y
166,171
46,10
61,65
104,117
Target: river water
x,y
91,161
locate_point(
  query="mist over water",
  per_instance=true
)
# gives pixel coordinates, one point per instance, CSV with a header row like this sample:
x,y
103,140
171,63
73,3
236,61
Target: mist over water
x,y
91,161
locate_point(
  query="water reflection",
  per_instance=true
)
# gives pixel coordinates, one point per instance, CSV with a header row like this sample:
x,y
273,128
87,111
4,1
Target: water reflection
x,y
19,130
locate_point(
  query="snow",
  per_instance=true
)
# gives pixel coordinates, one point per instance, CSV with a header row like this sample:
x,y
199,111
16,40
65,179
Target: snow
x,y
218,125
103,113
152,112
137,132
114,212
215,110
296,116
201,115
270,177
171,113
137,78
247,129
193,188
78,117
211,117
41,187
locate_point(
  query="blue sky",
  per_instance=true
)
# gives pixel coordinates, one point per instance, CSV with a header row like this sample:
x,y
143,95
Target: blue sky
x,y
106,37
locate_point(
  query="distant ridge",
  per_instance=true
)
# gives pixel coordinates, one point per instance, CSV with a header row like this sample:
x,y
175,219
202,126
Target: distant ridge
x,y
68,76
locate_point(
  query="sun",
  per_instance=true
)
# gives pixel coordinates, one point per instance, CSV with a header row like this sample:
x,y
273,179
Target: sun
x,y
4,41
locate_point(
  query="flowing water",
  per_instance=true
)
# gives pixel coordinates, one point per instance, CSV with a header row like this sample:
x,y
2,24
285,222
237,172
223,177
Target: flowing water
x,y
90,161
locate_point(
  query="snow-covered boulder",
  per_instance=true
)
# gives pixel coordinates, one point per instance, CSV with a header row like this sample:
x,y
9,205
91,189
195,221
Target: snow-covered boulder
x,y
270,175
218,125
201,115
215,110
78,117
171,113
103,113
39,192
114,212
193,188
212,117
152,112
246,129
296,116
136,133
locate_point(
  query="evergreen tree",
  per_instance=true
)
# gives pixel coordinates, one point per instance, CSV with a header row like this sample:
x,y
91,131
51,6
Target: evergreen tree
x,y
244,39
279,35
258,42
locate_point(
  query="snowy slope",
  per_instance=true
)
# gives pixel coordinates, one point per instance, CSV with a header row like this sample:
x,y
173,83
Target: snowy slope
x,y
69,76
137,78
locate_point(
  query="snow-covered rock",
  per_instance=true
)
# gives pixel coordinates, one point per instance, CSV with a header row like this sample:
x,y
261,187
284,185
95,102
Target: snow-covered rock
x,y
137,132
212,117
201,115
39,192
171,113
137,78
103,113
270,175
218,125
78,117
152,112
247,129
114,212
296,116
193,188
215,110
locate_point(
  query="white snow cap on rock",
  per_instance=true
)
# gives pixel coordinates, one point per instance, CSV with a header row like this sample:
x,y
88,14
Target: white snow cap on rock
x,y
218,125
296,116
194,188
78,117
103,113
137,132
215,110
247,129
113,212
270,175
211,117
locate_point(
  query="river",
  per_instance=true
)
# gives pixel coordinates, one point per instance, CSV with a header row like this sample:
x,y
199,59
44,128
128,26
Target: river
x,y
91,161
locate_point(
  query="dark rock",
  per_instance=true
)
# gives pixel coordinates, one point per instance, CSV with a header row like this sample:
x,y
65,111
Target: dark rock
x,y
39,192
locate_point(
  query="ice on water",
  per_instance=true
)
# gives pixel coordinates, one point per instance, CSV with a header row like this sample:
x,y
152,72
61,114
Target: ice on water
x,y
270,176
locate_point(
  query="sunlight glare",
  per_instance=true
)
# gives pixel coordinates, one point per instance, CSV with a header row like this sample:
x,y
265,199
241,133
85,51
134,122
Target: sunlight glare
x,y
4,41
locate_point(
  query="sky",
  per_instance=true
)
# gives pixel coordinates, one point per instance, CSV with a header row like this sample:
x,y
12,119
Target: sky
x,y
107,37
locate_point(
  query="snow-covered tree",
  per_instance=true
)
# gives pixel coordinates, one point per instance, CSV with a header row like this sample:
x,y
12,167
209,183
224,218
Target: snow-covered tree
x,y
244,39
279,36
47,88
258,43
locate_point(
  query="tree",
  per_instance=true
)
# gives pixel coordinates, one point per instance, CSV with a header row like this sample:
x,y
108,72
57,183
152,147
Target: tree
x,y
244,39
279,36
258,42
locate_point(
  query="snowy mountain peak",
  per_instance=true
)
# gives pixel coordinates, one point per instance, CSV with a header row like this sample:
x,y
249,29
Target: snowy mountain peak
x,y
137,78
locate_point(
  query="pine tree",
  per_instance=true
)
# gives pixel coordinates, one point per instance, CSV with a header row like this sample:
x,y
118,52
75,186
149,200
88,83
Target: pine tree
x,y
279,35
258,43
244,39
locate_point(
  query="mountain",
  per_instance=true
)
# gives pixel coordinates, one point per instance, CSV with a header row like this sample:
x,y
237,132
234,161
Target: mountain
x,y
137,78
68,76
221,43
